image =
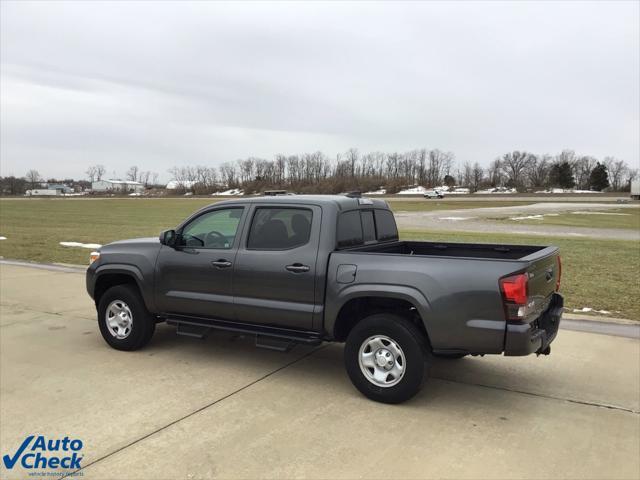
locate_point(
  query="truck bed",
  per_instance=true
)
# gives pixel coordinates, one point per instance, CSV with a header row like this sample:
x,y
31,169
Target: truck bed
x,y
459,282
459,250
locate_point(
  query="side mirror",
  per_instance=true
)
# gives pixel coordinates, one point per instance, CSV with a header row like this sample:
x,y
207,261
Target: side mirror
x,y
168,238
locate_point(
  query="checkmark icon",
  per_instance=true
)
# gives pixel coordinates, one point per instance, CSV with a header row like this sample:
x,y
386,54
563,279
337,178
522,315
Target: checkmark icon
x,y
10,462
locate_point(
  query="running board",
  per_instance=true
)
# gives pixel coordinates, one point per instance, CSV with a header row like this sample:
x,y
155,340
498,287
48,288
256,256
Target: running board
x,y
262,332
192,331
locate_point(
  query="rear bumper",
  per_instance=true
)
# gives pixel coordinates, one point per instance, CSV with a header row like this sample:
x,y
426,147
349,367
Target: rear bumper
x,y
535,337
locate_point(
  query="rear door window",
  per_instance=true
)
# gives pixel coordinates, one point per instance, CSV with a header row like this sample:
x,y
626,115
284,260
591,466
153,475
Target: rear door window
x,y
279,228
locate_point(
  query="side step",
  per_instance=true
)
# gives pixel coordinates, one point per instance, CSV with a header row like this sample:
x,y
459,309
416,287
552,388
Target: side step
x,y
192,331
266,336
274,343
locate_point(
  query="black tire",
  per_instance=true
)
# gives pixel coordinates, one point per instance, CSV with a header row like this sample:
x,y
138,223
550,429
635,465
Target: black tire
x,y
143,324
413,348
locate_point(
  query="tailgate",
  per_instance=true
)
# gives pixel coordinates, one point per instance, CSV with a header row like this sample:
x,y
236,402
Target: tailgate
x,y
544,277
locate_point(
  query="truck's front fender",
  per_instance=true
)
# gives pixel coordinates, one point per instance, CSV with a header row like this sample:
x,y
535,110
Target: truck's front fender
x,y
131,271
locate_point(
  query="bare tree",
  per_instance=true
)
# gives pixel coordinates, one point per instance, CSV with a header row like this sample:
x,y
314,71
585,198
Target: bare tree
x,y
514,164
132,173
352,159
477,175
100,170
91,173
466,175
439,165
33,178
144,177
538,171
228,174
617,170
495,173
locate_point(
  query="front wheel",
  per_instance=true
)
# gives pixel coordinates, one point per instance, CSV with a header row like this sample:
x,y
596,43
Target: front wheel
x,y
385,358
125,323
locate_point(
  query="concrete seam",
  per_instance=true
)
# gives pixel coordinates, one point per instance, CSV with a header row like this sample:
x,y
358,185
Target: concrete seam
x,y
184,417
542,395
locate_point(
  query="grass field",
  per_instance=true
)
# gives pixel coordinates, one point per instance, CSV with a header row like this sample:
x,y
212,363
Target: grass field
x,y
611,218
602,274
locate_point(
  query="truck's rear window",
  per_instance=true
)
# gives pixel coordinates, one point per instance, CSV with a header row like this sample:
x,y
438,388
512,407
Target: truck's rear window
x,y
358,227
386,226
349,229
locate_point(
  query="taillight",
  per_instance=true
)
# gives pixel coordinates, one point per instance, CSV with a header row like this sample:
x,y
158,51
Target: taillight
x,y
514,288
515,296
559,276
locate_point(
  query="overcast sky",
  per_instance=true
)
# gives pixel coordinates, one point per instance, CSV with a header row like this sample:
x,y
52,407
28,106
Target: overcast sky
x,y
158,84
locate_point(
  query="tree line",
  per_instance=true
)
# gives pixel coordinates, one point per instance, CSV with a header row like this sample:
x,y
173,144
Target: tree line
x,y
317,173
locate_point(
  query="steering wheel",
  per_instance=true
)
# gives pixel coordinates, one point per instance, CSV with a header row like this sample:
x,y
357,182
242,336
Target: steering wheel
x,y
215,239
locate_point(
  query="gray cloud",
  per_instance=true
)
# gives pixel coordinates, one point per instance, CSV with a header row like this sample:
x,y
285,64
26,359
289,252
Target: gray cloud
x,y
159,84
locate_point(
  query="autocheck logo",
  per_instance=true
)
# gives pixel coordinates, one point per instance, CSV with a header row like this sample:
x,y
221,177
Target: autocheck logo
x,y
38,452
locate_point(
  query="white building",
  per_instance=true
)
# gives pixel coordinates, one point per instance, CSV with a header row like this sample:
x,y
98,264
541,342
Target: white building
x,y
43,192
124,186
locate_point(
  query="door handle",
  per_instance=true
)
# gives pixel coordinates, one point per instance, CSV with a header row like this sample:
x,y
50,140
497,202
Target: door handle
x,y
221,263
297,268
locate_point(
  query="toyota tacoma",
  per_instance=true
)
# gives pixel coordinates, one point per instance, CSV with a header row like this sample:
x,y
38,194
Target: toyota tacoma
x,y
303,269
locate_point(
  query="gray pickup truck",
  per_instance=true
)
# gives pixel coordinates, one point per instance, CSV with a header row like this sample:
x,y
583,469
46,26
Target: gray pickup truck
x,y
308,269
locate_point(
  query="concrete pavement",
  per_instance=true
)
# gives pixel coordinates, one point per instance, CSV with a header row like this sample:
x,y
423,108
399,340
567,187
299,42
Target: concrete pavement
x,y
184,408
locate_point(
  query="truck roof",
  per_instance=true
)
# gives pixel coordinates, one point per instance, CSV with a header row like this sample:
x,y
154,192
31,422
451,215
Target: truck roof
x,y
341,202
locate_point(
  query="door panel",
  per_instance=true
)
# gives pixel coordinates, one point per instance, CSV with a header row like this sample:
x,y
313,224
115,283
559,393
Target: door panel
x,y
196,278
275,269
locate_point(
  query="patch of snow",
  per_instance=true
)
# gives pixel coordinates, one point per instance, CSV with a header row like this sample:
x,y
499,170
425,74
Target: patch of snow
x,y
589,309
566,190
419,190
528,217
501,190
228,193
3,238
135,194
455,219
380,191
598,213
175,184
92,246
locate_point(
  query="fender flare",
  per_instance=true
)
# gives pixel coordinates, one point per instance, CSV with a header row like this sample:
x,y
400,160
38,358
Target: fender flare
x,y
401,292
131,271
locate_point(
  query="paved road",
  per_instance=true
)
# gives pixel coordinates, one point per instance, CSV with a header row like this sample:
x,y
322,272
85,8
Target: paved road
x,y
480,220
184,408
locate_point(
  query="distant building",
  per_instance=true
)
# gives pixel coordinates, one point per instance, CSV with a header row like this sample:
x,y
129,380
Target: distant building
x,y
60,188
124,186
43,192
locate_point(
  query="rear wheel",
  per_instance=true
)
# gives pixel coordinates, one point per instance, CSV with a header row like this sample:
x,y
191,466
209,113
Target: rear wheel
x,y
125,323
384,357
